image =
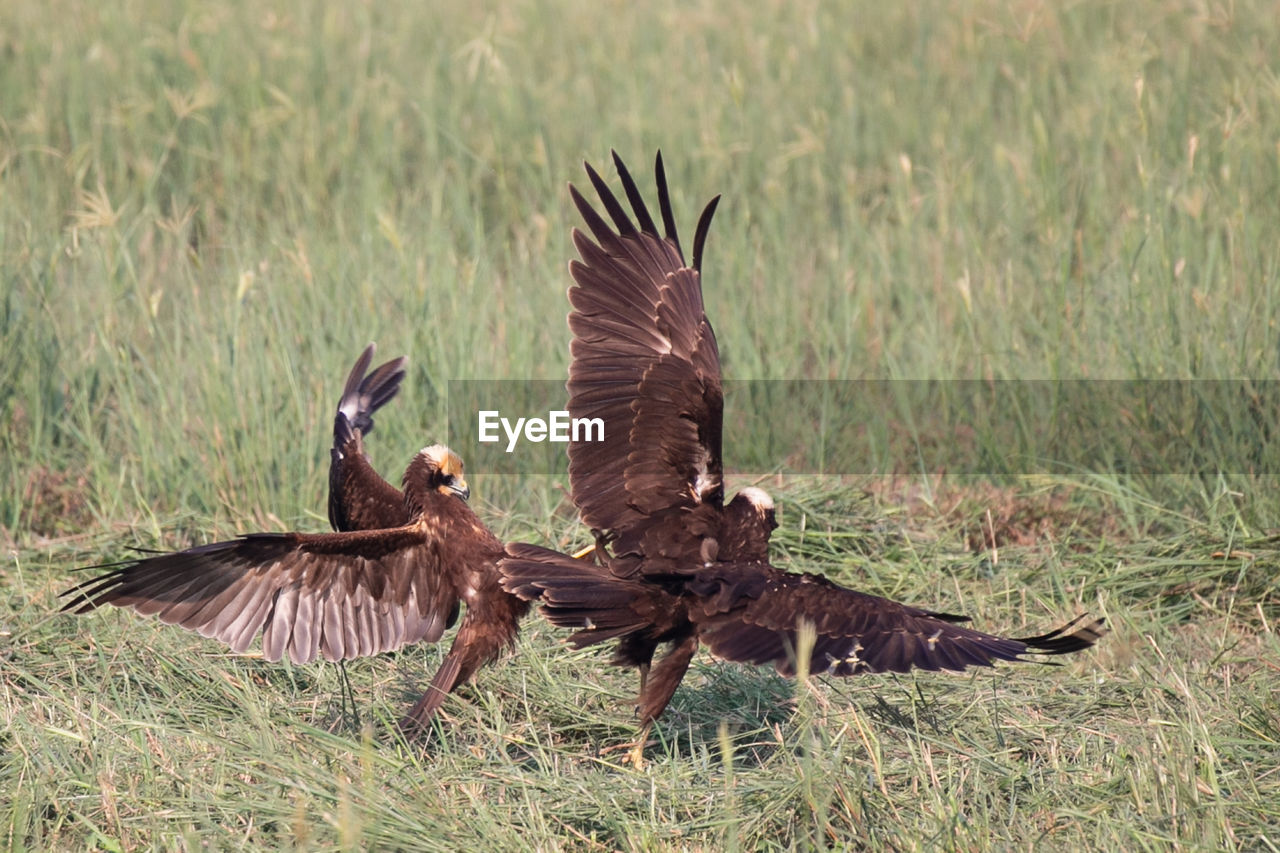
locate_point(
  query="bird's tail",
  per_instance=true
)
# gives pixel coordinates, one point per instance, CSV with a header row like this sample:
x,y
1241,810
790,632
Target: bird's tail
x,y
580,594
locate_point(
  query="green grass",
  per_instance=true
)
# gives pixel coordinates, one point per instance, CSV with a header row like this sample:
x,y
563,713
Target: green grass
x,y
205,212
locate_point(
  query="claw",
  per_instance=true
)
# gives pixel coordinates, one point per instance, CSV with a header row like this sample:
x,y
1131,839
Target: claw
x,y
636,756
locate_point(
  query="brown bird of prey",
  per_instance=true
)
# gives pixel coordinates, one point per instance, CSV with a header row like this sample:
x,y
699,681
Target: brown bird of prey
x,y
395,574
680,566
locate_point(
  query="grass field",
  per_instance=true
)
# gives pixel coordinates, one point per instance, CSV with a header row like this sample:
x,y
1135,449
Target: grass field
x,y
206,210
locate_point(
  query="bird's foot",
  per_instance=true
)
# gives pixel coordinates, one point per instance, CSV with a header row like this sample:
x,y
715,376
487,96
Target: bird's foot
x,y
635,757
412,729
635,751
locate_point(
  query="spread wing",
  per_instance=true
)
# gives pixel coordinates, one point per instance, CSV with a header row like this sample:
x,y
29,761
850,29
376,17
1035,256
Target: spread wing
x,y
359,498
341,595
756,620
644,361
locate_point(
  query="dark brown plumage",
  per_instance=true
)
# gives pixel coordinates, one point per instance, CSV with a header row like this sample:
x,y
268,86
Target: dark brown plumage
x,y
359,499
681,567
348,594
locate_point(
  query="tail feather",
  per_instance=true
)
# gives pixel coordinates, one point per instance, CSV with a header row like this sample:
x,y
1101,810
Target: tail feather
x,y
578,594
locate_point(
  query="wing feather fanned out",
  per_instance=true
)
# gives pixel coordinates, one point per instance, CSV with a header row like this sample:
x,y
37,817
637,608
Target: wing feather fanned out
x,y
241,631
340,595
359,498
857,632
363,395
645,362
277,630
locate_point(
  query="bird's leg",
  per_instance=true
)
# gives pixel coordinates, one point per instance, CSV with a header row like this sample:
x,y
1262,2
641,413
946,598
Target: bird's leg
x,y
636,756
657,693
346,693
596,551
601,551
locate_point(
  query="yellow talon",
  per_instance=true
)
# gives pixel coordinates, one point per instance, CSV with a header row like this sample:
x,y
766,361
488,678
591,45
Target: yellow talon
x,y
636,756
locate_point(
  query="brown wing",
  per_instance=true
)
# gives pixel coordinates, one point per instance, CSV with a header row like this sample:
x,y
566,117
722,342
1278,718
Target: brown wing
x,y
342,595
752,614
644,361
359,498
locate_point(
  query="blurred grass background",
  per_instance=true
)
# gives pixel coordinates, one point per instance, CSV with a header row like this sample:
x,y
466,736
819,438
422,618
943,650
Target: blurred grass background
x,y
206,211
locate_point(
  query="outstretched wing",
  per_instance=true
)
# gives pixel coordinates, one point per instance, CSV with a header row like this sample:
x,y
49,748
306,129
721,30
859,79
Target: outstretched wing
x,y
644,361
341,595
756,620
359,498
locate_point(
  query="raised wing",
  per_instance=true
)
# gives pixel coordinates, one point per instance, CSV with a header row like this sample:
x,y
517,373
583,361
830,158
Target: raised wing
x,y
755,618
359,498
340,595
644,361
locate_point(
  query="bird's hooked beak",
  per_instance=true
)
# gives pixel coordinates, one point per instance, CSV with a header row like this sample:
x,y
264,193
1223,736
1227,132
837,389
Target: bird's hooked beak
x,y
441,469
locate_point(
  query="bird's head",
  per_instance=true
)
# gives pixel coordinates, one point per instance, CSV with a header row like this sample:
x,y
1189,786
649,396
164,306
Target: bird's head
x,y
437,469
762,503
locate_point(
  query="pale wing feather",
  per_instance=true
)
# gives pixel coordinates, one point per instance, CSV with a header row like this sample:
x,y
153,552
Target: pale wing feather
x,y
308,595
